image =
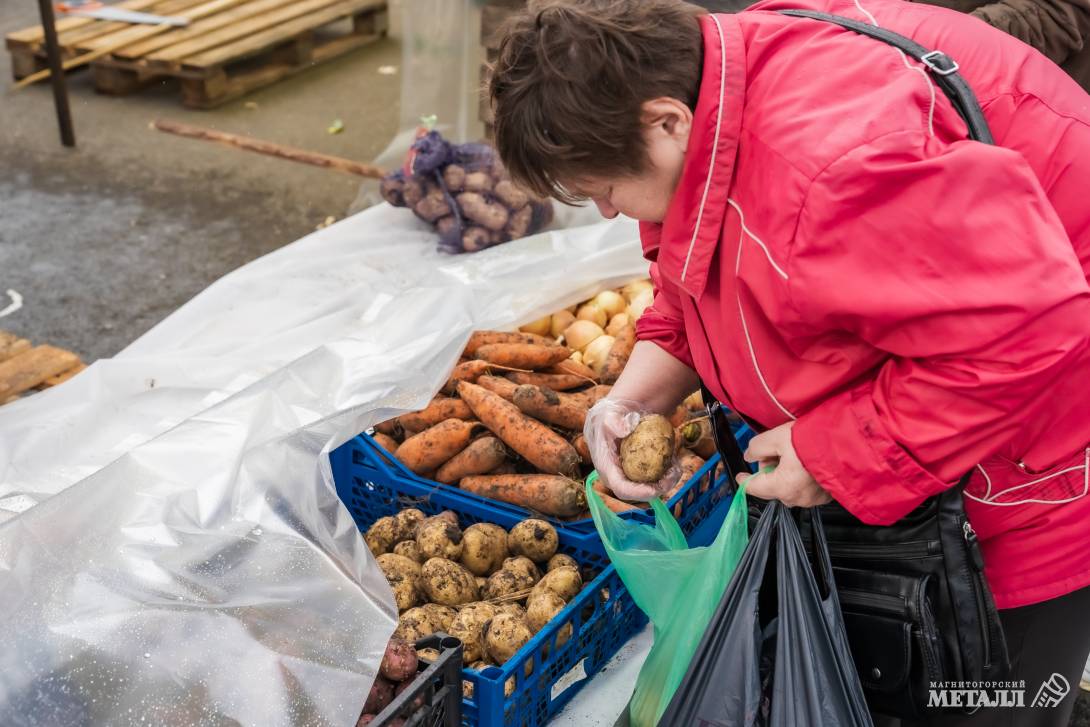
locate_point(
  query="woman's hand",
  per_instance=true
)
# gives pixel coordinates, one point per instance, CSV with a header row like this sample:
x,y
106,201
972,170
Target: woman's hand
x,y
789,482
608,422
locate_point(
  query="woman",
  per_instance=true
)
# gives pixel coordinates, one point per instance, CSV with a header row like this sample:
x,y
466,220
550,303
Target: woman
x,y
834,259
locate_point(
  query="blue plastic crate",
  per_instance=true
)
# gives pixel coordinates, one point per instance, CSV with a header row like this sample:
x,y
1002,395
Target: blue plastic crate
x,y
546,676
691,505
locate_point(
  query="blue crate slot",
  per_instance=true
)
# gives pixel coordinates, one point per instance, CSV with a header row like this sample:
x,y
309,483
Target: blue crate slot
x,y
602,616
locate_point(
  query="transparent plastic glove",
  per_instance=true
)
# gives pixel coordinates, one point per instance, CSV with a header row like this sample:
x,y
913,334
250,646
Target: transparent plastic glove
x,y
608,422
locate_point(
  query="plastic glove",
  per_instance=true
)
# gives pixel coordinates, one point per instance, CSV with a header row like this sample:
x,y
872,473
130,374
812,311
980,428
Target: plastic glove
x,y
608,422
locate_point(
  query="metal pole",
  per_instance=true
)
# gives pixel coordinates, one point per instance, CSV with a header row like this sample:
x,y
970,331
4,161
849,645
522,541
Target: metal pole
x,y
56,69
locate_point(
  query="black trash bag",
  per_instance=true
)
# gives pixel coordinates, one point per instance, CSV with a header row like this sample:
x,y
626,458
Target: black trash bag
x,y
775,653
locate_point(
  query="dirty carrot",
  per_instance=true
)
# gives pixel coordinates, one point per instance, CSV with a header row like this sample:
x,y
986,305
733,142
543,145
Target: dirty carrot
x,y
498,385
580,444
696,434
610,501
432,447
471,371
592,395
619,354
480,457
390,427
556,382
567,366
549,494
523,355
385,441
543,404
440,409
539,445
485,338
690,465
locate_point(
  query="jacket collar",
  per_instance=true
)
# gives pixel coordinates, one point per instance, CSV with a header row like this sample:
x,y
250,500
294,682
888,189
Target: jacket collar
x,y
683,245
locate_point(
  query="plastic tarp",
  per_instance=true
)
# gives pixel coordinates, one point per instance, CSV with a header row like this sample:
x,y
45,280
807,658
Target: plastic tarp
x,y
173,550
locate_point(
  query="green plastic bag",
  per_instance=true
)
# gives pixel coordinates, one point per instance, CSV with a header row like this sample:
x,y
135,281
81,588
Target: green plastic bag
x,y
678,587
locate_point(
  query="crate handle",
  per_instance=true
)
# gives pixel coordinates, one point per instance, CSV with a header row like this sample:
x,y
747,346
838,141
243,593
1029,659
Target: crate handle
x,y
382,460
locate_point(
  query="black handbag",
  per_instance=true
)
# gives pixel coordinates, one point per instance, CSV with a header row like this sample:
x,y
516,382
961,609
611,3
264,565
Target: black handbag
x,y
917,608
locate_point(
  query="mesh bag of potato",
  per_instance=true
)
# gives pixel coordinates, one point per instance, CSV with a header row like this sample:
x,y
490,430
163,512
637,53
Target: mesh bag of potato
x,y
464,191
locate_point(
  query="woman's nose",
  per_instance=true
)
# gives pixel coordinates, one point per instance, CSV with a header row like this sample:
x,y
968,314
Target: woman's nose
x,y
606,209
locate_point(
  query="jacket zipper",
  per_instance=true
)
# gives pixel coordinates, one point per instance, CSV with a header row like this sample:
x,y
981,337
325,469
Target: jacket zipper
x,y
919,549
975,577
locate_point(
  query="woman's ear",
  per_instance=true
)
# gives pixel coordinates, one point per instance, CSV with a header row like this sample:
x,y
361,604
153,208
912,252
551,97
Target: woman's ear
x,y
668,117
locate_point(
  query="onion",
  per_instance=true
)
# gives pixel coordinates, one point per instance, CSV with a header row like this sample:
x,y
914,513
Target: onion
x,y
596,353
581,333
694,401
636,287
591,312
540,326
609,301
559,322
577,357
617,323
640,303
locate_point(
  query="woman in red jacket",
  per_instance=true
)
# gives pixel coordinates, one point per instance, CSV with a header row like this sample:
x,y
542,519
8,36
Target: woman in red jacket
x,y
834,259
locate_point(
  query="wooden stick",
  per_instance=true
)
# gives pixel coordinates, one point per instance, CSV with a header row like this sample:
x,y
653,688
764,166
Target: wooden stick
x,y
517,596
268,148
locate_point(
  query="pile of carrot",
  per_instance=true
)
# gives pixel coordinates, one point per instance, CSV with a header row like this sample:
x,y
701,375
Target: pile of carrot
x,y
508,422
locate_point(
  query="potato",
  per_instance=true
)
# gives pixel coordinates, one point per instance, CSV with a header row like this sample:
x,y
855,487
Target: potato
x,y
565,582
447,583
410,550
468,627
399,662
476,238
519,223
478,182
647,452
414,625
365,719
490,215
454,176
397,567
541,608
391,190
484,547
446,225
559,560
381,536
439,539
407,522
505,583
412,191
482,583
524,567
432,207
504,635
441,616
382,693
406,594
509,193
428,654
417,701
512,608
533,538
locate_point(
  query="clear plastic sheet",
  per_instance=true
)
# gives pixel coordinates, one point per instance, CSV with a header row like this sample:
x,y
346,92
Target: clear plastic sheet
x,y
174,551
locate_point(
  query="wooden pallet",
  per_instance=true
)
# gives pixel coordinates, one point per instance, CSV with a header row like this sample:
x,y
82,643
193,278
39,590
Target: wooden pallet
x,y
230,47
24,368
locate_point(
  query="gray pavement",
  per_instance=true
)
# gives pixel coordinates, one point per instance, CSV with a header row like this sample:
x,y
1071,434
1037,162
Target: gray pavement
x,y
104,241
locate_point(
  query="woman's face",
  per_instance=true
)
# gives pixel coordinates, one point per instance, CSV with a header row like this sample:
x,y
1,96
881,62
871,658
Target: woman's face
x,y
646,196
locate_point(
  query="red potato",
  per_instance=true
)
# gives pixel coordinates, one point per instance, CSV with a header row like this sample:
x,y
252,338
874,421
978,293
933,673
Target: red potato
x,y
509,193
365,719
392,190
400,661
382,693
433,207
417,701
454,176
490,215
413,191
478,182
476,238
445,225
519,222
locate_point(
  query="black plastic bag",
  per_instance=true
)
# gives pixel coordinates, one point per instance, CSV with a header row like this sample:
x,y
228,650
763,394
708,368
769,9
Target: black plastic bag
x,y
775,653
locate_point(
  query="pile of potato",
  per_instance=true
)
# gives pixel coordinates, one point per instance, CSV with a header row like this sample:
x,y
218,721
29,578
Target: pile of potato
x,y
399,667
508,424
465,192
489,588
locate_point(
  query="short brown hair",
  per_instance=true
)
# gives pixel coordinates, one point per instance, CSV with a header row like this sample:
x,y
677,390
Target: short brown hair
x,y
570,81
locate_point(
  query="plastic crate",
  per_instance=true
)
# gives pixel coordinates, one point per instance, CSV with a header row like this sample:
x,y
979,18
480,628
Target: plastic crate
x,y
437,686
690,505
603,616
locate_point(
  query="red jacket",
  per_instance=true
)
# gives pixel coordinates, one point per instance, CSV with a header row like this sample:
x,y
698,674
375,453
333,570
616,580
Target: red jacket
x,y
837,253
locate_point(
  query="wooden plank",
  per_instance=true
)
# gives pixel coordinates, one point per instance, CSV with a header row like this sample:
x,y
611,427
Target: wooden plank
x,y
64,376
91,40
199,94
35,34
138,33
11,345
32,367
248,27
25,62
102,27
199,28
261,41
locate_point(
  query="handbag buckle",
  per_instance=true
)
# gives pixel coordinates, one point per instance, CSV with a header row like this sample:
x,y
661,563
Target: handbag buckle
x,y
939,63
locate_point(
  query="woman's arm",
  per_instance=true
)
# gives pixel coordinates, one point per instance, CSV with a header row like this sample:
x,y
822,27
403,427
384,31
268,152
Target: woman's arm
x,y
655,378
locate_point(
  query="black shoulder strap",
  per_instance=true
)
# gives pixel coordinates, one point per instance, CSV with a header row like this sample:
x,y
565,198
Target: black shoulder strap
x,y
942,67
